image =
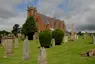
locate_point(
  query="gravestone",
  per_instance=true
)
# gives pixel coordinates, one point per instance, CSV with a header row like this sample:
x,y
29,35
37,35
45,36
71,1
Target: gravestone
x,y
86,35
93,39
72,33
16,42
75,36
42,56
65,39
69,37
53,42
3,41
34,37
8,45
26,49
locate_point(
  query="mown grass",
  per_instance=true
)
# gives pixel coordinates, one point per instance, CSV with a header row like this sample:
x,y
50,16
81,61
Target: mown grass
x,y
67,53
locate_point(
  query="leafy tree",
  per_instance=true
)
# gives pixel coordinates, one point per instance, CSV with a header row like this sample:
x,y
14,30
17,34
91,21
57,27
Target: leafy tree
x,y
29,27
79,33
4,32
15,29
19,30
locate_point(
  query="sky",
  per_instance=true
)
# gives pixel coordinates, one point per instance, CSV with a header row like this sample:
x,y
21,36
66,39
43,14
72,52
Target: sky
x,y
81,13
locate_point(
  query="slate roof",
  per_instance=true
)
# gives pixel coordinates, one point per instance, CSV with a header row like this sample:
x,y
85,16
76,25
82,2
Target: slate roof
x,y
46,19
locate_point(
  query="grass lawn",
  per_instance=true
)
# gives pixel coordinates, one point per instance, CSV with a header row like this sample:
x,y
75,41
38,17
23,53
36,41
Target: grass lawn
x,y
67,53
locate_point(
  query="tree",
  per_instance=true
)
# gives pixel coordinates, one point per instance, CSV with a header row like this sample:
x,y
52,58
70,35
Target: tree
x,y
29,27
79,33
4,32
15,29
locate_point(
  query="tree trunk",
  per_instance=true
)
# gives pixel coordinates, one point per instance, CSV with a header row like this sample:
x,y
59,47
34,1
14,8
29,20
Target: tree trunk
x,y
30,36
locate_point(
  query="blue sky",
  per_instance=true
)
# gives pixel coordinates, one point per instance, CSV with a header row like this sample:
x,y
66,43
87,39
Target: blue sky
x,y
22,6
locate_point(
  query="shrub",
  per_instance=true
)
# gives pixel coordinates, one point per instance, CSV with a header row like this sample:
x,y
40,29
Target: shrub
x,y
58,36
45,38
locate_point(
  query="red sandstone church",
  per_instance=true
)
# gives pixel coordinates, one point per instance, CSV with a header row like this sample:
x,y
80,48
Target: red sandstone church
x,y
44,22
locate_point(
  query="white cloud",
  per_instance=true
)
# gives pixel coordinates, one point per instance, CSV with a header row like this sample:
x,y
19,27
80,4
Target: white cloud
x,y
49,7
81,15
80,12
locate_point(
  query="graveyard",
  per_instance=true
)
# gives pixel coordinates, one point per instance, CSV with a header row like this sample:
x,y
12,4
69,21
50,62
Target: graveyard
x,y
47,32
67,53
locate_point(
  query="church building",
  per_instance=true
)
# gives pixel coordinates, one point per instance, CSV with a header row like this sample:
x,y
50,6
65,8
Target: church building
x,y
45,22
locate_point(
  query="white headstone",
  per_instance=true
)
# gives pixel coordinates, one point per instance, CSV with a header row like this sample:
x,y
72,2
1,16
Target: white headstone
x,y
34,37
77,37
65,39
53,42
69,37
42,56
3,41
16,42
93,39
26,49
85,36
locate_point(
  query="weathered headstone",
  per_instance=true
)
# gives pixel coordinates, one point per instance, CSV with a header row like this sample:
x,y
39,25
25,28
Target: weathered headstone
x,y
65,39
8,45
93,39
26,49
69,37
16,42
53,42
77,37
72,33
3,40
86,35
34,37
42,56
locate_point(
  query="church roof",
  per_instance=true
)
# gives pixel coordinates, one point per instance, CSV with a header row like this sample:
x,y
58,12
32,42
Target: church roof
x,y
46,19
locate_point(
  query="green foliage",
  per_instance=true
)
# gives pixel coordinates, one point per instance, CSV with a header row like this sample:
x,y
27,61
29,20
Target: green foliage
x,y
45,38
15,29
4,32
80,33
29,26
58,36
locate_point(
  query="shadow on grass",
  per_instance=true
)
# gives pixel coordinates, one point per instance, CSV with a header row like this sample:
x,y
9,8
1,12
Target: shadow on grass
x,y
44,47
90,42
